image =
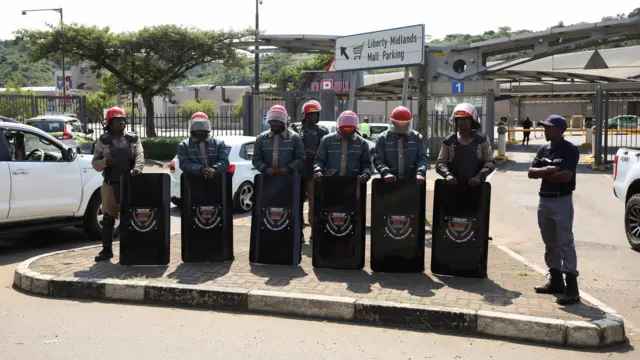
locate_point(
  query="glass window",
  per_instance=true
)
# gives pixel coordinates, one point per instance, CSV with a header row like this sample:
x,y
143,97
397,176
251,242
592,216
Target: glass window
x,y
26,147
48,126
246,151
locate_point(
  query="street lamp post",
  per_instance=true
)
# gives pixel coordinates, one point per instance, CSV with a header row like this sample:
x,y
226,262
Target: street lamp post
x,y
64,78
257,54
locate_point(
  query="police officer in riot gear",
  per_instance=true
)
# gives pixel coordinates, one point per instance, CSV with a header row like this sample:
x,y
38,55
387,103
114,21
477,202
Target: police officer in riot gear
x,y
116,153
311,134
278,151
202,154
400,153
466,156
344,153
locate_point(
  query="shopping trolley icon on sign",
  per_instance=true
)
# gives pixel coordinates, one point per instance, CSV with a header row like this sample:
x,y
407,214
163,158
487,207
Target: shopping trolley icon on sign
x,y
357,52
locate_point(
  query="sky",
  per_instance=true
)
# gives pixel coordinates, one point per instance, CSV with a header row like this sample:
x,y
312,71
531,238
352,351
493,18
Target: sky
x,y
326,17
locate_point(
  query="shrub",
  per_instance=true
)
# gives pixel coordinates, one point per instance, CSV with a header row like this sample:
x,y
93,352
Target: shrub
x,y
190,107
161,148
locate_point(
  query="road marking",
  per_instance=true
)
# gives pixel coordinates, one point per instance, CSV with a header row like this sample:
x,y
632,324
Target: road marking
x,y
584,295
609,176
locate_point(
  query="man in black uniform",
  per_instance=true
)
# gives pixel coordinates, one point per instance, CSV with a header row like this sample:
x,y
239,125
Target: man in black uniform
x,y
526,130
116,153
556,163
466,156
311,134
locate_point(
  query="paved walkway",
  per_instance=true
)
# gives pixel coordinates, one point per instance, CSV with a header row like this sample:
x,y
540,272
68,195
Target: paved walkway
x,y
509,287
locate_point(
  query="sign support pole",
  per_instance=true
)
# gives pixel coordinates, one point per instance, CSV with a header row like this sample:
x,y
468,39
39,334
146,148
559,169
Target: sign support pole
x,y
352,91
405,86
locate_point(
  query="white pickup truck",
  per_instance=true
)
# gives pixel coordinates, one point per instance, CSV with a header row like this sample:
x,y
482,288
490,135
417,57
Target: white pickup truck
x,y
626,187
44,184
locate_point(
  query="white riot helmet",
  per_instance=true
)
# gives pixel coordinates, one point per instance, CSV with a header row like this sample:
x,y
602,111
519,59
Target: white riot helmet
x,y
465,110
200,122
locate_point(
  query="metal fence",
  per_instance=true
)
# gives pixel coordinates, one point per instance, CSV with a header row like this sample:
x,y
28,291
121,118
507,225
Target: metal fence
x,y
22,107
620,122
176,126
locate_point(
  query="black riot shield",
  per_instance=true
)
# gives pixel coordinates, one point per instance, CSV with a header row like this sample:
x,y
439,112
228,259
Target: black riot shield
x,y
339,223
460,229
398,214
207,218
276,226
145,219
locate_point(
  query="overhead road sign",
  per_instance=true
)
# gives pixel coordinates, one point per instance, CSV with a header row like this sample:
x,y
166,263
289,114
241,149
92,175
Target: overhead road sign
x,y
399,47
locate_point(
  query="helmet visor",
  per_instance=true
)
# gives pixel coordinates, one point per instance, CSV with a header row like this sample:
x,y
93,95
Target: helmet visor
x,y
276,115
401,126
347,123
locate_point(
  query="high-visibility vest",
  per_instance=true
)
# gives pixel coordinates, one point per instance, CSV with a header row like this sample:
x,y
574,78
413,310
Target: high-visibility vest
x,y
364,129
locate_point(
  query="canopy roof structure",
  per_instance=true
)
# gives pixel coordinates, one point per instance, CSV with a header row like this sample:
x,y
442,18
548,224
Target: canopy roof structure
x,y
534,67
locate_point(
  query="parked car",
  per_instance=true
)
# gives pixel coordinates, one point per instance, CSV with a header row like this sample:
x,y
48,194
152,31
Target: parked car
x,y
46,184
67,129
629,122
240,164
626,187
377,129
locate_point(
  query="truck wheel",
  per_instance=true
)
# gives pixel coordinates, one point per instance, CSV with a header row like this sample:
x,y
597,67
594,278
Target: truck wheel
x,y
92,222
632,221
91,225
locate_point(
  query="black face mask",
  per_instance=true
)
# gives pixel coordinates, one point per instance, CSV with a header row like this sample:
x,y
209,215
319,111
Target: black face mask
x,y
311,119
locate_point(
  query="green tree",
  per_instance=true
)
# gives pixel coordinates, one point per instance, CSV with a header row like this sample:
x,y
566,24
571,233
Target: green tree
x,y
237,110
97,102
294,78
147,61
18,106
189,107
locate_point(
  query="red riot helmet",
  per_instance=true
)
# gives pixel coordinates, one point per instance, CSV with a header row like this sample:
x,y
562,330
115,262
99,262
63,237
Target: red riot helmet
x,y
114,113
199,115
347,122
401,118
311,110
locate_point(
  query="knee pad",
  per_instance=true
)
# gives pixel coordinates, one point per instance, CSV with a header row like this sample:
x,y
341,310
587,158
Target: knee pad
x,y
108,220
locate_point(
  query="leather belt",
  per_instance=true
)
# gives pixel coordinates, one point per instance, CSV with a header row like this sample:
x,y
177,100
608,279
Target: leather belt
x,y
552,195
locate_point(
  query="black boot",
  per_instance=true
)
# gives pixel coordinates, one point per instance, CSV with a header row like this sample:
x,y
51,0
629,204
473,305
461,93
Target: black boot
x,y
571,293
555,284
108,223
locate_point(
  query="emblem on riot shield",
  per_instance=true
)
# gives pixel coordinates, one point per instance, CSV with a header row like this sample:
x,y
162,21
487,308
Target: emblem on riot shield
x,y
207,217
398,227
143,219
276,218
339,224
460,229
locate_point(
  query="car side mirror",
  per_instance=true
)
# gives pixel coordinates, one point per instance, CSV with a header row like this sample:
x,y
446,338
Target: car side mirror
x,y
89,131
71,154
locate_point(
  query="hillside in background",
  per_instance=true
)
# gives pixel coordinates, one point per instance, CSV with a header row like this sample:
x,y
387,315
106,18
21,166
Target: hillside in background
x,y
15,66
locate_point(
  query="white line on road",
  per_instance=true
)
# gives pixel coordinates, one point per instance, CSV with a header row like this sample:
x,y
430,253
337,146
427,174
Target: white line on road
x,y
609,176
584,295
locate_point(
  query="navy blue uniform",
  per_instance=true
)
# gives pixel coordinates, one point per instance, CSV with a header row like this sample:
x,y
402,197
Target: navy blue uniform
x,y
555,210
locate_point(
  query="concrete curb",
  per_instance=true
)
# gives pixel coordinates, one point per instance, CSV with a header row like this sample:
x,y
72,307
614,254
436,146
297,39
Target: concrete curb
x,y
596,334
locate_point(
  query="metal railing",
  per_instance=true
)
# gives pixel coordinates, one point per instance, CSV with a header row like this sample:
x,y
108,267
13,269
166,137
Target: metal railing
x,y
176,126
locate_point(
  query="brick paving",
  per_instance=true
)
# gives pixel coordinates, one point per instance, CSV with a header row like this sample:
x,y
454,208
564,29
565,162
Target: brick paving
x,y
509,287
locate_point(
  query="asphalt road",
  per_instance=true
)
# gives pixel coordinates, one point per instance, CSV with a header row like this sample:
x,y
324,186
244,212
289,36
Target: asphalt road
x,y
608,266
36,328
